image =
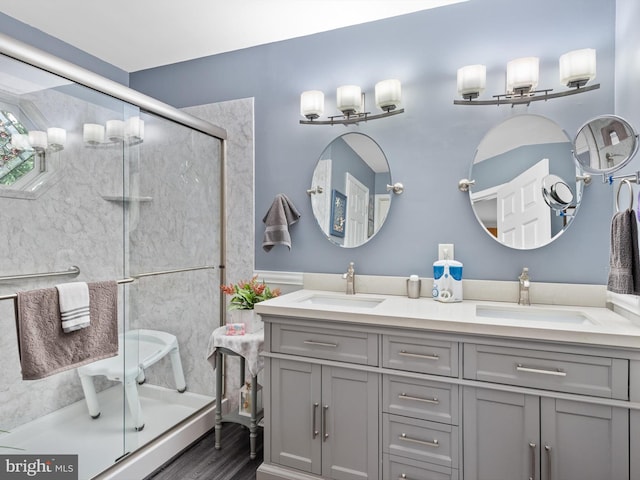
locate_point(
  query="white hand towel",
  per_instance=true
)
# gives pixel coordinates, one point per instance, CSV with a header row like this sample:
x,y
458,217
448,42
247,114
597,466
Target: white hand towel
x,y
74,305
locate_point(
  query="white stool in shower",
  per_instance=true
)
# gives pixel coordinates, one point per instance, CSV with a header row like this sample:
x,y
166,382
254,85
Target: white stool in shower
x,y
139,349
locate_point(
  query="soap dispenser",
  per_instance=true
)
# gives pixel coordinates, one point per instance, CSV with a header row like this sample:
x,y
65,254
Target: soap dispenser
x,y
447,280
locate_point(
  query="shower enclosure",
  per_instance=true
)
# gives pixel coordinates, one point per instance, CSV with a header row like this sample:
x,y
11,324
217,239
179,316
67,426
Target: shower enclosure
x,y
99,182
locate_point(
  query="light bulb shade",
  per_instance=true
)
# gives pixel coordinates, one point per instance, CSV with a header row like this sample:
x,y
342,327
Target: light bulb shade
x,y
115,130
388,94
578,67
20,141
57,137
93,133
472,80
311,104
38,139
522,74
134,129
349,99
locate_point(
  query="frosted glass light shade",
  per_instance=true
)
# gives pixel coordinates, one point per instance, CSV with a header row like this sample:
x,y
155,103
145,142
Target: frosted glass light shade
x,y
38,139
57,137
93,133
578,67
311,104
134,129
388,94
472,80
522,74
349,99
115,130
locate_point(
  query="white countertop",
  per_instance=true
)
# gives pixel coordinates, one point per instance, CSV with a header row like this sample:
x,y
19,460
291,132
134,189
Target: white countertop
x,y
603,327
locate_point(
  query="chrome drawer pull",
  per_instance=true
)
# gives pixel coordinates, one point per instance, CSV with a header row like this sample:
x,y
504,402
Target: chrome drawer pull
x,y
321,344
434,400
325,431
433,444
557,373
404,353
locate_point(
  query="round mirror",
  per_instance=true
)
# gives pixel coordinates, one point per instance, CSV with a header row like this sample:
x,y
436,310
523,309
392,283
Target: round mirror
x,y
526,187
348,191
605,144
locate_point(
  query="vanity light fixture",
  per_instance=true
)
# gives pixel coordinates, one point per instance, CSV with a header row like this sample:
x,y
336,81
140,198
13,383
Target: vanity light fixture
x,y
350,100
114,131
577,68
52,140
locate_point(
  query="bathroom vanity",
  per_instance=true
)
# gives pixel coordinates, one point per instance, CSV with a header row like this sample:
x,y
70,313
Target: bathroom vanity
x,y
384,387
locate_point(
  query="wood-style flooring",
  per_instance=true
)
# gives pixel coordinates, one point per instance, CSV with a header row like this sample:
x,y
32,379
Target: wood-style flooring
x,y
201,461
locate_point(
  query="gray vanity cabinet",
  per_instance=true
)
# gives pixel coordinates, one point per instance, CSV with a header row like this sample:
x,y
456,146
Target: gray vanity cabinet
x,y
324,419
511,436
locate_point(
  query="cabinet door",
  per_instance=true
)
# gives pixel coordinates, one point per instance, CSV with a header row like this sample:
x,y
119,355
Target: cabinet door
x,y
500,435
349,424
584,442
296,415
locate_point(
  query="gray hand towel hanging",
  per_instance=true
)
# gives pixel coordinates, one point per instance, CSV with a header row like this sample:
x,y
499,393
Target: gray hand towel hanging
x,y
624,260
281,215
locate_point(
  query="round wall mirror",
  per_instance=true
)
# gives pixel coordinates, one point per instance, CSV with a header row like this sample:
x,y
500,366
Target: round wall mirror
x,y
526,188
348,191
605,144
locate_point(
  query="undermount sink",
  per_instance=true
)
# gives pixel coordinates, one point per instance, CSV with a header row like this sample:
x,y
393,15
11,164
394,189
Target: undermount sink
x,y
328,300
533,314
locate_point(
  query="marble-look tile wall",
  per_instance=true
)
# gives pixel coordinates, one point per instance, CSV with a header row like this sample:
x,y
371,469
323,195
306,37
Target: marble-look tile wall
x,y
72,224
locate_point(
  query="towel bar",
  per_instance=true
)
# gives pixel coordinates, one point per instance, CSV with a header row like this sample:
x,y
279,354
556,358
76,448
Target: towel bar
x,y
130,279
73,270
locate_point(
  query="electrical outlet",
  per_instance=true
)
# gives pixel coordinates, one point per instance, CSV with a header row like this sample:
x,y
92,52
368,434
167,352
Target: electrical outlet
x,y
445,247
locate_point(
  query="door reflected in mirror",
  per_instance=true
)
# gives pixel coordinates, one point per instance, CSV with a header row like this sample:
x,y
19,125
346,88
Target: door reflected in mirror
x,y
349,196
605,144
526,191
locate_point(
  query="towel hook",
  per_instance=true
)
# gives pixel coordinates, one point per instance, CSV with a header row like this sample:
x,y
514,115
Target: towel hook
x,y
628,183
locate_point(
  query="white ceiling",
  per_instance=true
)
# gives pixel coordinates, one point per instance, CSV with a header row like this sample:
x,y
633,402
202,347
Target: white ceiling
x,y
139,34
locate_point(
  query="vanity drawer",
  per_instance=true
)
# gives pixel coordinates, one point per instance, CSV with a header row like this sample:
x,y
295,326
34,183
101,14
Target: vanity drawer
x,y
421,355
340,345
420,440
561,372
421,399
398,468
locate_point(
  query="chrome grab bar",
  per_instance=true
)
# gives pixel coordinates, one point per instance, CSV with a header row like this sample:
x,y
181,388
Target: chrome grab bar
x,y
73,270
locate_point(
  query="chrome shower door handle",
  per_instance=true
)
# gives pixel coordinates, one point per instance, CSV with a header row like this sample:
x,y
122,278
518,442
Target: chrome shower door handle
x,y
532,451
314,413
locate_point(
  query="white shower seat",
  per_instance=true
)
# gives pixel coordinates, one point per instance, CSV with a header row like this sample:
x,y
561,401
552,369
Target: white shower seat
x,y
137,350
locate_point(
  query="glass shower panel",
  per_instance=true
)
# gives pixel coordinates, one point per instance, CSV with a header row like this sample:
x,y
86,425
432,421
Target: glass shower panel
x,y
172,206
61,190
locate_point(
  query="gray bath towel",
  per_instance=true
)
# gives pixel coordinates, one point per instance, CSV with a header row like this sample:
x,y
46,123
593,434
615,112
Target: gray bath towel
x,y
281,215
624,259
45,349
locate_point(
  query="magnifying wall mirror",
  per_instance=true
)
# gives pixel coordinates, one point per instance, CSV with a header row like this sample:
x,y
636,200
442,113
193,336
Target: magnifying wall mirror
x,y
349,190
605,144
525,188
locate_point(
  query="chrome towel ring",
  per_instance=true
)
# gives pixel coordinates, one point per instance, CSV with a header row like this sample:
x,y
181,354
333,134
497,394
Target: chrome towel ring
x,y
628,183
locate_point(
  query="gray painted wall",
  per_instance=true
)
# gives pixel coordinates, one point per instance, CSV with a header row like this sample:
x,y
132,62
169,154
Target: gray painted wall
x,y
429,147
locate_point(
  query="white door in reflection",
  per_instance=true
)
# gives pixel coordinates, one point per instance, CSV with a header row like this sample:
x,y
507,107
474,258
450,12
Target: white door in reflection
x,y
524,219
357,212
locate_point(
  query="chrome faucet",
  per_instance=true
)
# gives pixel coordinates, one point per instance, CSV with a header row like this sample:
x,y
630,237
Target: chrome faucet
x,y
350,276
523,291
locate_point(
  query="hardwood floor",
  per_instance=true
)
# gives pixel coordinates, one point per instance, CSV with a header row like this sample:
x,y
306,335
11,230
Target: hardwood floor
x,y
201,461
